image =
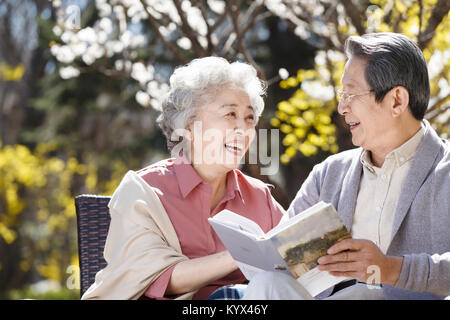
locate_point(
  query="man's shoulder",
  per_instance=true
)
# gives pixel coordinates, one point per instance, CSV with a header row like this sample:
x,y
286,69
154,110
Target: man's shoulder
x,y
342,159
442,168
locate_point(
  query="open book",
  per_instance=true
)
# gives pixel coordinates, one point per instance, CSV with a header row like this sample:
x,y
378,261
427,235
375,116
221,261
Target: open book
x,y
293,246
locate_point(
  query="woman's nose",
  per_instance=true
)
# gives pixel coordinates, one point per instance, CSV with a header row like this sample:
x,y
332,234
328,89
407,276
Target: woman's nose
x,y
240,125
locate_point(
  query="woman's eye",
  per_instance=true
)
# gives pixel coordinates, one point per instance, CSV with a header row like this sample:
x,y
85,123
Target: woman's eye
x,y
231,114
251,118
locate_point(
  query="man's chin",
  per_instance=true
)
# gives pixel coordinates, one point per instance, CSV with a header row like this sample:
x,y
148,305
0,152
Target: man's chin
x,y
356,142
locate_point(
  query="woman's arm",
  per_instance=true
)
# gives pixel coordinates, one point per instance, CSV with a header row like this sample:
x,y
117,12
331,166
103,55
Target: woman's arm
x,y
196,273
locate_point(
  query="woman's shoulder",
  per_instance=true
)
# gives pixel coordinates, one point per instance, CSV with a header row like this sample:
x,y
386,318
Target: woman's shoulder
x,y
157,172
161,167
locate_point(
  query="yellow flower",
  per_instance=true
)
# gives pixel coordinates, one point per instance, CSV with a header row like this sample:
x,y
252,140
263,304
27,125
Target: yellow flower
x,y
334,148
285,128
289,139
286,107
285,159
309,116
300,132
7,234
291,152
298,122
11,73
275,122
292,82
307,149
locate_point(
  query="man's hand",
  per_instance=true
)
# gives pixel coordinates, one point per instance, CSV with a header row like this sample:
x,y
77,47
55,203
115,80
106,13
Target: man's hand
x,y
355,258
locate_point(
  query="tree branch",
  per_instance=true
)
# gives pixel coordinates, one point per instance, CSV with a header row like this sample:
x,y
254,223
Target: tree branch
x,y
188,31
354,14
439,12
234,10
166,44
420,19
201,6
435,108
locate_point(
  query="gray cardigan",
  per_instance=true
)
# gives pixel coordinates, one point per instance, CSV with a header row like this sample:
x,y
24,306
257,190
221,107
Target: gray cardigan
x,y
421,230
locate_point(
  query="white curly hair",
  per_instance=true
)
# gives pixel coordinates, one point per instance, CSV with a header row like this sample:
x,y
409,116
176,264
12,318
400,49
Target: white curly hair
x,y
195,84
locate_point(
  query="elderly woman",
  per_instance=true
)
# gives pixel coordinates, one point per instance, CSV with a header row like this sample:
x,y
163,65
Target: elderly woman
x,y
160,244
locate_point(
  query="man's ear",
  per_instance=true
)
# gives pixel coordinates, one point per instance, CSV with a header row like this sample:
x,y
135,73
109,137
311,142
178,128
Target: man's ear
x,y
400,99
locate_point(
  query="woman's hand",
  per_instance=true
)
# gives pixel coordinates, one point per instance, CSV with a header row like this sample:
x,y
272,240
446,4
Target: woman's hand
x,y
196,273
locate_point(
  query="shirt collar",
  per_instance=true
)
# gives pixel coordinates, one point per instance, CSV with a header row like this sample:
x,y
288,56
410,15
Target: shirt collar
x,y
401,155
233,183
188,178
365,160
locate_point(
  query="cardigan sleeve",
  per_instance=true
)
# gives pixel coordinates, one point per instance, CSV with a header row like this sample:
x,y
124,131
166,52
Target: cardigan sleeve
x,y
308,195
424,272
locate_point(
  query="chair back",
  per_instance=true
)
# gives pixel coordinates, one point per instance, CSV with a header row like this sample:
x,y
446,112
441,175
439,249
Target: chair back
x,y
92,225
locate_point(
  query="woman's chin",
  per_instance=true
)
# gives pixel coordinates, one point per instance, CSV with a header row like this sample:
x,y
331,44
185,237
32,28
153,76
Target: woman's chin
x,y
232,163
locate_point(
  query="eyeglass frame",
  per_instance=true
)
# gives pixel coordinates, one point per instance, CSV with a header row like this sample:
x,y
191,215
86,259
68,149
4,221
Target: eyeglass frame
x,y
344,96
341,92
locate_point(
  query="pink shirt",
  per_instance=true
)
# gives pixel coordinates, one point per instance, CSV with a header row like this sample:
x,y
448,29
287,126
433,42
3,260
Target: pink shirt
x,y
186,198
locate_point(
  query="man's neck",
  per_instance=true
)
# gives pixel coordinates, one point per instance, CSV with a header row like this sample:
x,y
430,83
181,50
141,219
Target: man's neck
x,y
401,136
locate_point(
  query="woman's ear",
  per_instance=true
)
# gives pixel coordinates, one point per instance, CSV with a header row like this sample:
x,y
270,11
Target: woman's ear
x,y
400,98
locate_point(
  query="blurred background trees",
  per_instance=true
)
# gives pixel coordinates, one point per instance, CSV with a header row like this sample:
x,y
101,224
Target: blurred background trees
x,y
81,83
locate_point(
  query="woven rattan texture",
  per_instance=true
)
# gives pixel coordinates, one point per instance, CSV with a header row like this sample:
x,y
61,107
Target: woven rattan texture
x,y
93,223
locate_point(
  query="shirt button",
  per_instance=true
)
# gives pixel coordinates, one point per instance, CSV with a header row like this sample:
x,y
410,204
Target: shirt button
x,y
383,177
402,159
378,209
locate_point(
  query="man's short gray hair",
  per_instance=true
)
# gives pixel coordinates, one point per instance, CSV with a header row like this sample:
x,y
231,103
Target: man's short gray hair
x,y
393,60
195,84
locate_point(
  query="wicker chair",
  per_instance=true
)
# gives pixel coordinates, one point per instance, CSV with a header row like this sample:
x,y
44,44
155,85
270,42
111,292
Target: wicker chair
x,y
93,223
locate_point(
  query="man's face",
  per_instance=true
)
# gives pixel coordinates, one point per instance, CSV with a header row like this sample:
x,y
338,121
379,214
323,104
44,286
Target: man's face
x,y
368,120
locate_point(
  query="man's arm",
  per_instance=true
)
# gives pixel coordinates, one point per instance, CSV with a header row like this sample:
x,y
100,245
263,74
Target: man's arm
x,y
308,195
425,272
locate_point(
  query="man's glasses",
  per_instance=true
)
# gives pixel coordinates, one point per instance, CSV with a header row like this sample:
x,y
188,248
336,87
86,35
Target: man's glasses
x,y
345,97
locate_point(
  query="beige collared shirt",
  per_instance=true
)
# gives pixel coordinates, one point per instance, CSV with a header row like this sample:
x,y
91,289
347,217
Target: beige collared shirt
x,y
379,192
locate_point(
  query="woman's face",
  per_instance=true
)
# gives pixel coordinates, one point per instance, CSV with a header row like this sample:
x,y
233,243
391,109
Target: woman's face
x,y
223,130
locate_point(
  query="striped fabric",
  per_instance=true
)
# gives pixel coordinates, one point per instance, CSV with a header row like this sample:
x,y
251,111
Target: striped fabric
x,y
229,292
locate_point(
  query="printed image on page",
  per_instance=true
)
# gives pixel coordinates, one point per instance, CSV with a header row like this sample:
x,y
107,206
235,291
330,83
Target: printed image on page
x,y
302,244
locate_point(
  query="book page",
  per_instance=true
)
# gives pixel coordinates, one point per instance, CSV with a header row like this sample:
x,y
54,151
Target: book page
x,y
293,247
295,219
238,222
316,281
248,270
248,250
242,245
301,244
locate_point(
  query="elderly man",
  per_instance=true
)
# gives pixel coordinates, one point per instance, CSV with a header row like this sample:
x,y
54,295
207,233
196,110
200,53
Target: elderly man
x,y
392,193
